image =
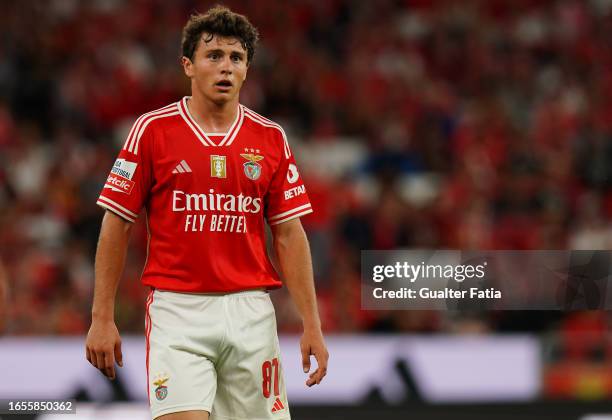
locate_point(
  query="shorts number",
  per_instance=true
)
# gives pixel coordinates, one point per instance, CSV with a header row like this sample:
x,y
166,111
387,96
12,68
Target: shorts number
x,y
266,373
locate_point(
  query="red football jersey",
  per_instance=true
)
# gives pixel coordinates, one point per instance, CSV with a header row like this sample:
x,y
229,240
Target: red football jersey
x,y
206,196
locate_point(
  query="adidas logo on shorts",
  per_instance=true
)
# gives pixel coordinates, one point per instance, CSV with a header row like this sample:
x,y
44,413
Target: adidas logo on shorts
x,y
278,405
182,168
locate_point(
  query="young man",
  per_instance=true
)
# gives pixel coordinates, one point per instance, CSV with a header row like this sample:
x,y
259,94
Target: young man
x,y
209,172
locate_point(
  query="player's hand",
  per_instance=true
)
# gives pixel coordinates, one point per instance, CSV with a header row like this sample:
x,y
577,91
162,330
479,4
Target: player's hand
x,y
312,343
103,347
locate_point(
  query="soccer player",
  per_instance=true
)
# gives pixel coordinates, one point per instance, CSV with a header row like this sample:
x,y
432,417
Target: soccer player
x,y
209,173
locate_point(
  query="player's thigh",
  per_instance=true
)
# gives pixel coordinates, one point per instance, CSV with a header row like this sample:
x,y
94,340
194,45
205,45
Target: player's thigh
x,y
180,377
180,381
250,381
185,415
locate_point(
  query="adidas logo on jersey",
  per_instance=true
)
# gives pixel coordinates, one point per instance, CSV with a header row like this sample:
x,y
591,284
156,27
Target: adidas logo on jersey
x,y
182,168
278,405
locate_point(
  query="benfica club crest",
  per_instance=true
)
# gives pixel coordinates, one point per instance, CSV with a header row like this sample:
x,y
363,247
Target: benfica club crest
x,y
252,169
161,392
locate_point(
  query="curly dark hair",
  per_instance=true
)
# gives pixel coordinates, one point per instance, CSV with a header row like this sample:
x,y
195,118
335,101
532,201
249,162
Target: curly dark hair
x,y
218,21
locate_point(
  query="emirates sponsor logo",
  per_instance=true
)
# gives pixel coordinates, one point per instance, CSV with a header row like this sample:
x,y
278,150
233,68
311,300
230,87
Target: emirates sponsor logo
x,y
212,201
196,221
119,184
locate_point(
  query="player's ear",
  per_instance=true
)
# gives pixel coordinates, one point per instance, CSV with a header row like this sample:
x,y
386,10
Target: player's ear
x,y
187,66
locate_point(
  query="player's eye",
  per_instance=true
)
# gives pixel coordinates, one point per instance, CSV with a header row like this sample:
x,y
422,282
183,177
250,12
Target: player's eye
x,y
213,56
236,58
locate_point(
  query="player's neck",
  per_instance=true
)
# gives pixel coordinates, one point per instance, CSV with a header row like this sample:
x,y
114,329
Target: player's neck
x,y
210,116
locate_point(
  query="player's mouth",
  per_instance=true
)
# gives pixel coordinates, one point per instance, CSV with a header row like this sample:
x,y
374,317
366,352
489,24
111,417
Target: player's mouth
x,y
224,85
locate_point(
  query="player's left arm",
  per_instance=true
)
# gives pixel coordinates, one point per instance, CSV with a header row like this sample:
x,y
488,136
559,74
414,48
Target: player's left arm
x,y
293,251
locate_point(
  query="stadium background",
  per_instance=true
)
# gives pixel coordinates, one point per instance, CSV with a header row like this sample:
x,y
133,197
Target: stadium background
x,y
416,124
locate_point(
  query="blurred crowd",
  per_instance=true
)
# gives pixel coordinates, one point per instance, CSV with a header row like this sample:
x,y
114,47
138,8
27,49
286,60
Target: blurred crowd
x,y
455,125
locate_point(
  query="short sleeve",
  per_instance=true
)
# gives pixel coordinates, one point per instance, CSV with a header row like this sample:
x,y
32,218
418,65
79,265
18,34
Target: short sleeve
x,y
128,183
287,197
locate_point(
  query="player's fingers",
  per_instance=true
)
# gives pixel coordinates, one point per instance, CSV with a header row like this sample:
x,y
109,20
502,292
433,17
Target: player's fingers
x,y
109,364
98,356
321,374
312,379
306,359
322,358
321,371
118,354
88,355
317,376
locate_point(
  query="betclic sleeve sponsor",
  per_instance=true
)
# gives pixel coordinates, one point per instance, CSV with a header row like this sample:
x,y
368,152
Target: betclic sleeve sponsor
x,y
287,197
129,180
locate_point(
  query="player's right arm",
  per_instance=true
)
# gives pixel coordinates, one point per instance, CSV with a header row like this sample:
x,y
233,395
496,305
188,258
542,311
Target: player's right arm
x,y
103,344
123,196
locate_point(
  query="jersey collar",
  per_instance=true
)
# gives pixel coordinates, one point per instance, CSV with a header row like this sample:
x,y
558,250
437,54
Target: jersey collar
x,y
201,134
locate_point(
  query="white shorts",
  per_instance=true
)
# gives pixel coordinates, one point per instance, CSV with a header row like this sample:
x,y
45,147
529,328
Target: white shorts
x,y
217,353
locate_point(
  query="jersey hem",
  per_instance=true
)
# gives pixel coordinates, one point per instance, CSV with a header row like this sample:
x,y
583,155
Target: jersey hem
x,y
231,290
116,211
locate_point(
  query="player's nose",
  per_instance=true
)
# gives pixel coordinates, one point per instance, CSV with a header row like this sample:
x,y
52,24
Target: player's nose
x,y
226,65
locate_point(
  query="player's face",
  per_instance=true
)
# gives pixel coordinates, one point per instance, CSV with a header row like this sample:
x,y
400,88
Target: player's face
x,y
218,69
